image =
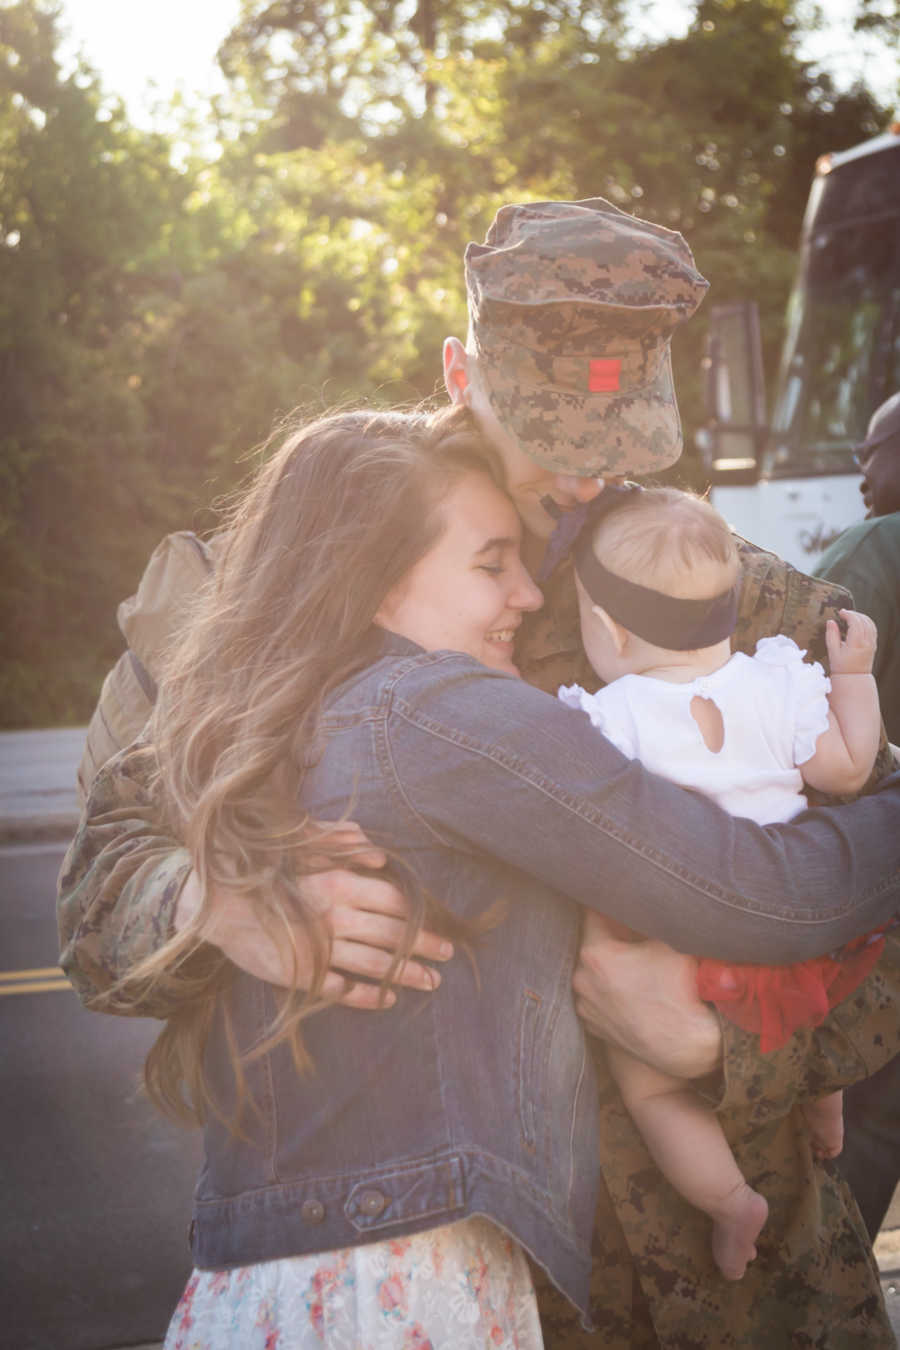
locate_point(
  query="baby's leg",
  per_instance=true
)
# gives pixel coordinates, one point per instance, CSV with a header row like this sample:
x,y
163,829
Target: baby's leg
x,y
692,1153
824,1118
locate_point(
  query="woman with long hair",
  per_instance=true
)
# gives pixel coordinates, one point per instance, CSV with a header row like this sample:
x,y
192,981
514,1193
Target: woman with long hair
x,y
373,1181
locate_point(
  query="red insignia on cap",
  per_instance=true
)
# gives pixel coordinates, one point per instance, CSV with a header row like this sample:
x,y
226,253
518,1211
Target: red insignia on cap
x,y
604,376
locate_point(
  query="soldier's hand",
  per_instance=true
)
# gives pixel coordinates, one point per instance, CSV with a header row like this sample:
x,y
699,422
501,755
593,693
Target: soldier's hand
x,y
364,914
852,653
642,996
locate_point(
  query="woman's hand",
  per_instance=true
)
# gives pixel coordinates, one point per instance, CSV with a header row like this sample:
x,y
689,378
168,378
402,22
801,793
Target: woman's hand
x,y
366,916
642,996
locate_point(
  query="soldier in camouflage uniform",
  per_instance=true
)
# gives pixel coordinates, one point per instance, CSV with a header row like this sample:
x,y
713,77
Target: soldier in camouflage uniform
x,y
567,367
814,1283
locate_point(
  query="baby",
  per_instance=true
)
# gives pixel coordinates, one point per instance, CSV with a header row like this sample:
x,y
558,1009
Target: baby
x,y
658,577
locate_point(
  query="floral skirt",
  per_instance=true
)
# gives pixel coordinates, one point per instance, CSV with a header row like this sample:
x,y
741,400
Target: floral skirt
x,y
466,1286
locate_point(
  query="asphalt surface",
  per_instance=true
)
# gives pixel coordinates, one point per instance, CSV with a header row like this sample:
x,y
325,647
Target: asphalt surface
x,y
37,783
96,1185
96,1188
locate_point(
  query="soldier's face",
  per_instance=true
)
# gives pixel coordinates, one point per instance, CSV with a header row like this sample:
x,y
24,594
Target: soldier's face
x,y
526,482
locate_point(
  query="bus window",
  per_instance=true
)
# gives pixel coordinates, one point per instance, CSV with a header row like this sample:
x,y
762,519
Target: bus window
x,y
842,319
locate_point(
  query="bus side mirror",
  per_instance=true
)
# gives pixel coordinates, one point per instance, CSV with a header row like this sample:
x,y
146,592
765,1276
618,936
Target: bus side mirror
x,y
731,442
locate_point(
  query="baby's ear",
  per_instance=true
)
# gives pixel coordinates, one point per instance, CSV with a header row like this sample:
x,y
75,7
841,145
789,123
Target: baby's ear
x,y
618,634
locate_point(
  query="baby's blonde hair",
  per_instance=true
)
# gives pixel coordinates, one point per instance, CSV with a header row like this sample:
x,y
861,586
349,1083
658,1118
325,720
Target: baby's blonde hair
x,y
671,541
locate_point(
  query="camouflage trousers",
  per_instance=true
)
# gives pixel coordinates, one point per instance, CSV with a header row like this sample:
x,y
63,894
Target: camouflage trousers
x,y
779,1305
814,1284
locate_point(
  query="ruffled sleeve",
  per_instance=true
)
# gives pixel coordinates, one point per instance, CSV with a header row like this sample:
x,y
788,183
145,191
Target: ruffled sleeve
x,y
601,714
808,686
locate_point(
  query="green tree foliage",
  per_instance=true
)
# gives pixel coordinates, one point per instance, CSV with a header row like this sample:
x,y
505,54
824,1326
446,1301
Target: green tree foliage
x,y
155,319
153,323
881,17
715,134
83,204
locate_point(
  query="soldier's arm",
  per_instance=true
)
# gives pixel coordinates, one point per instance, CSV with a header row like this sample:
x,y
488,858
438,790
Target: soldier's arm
x,y
642,997
120,880
126,886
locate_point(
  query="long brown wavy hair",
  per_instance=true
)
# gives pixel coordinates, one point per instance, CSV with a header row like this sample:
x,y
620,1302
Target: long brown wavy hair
x,y
332,520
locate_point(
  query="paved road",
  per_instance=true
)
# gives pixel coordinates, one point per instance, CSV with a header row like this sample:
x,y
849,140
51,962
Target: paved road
x,y
37,782
96,1187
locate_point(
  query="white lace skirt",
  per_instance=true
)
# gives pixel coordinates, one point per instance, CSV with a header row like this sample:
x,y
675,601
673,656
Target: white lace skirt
x,y
466,1286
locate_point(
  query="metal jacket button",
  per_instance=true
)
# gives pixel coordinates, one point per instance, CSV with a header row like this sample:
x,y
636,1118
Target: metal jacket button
x,y
371,1203
312,1211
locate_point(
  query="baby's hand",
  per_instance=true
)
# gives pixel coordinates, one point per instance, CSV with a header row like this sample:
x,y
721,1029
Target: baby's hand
x,y
853,653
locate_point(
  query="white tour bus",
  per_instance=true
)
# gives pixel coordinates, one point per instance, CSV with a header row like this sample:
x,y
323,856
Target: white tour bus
x,y
792,486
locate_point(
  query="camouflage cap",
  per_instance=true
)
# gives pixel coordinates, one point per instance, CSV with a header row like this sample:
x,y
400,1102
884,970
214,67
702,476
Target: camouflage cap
x,y
572,307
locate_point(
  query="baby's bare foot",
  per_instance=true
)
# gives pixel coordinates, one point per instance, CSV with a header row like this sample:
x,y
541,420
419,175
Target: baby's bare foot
x,y
736,1226
824,1119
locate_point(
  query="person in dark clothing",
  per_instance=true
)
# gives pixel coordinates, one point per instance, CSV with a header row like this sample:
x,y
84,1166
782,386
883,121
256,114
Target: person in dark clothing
x,y
866,559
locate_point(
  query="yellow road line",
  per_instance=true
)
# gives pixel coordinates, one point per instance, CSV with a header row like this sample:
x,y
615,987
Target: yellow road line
x,y
39,973
35,987
37,981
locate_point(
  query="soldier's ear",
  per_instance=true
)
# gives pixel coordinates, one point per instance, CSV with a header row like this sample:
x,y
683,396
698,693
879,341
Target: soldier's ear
x,y
456,370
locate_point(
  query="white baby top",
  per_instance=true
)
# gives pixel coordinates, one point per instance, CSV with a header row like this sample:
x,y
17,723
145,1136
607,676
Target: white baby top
x,y
774,707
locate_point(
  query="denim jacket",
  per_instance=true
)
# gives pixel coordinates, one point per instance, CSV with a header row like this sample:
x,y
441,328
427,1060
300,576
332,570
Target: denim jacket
x,y
481,1097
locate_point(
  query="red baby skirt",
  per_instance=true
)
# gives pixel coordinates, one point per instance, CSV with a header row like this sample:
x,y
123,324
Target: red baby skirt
x,y
776,1001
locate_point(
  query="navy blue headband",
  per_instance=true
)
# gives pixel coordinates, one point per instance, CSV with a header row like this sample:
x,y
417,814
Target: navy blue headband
x,y
677,624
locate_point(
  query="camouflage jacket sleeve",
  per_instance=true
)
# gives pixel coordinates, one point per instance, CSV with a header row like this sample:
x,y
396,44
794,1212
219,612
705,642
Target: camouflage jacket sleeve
x,y
120,881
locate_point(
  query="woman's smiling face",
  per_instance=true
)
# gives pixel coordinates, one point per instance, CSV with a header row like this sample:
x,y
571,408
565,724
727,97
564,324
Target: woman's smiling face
x,y
469,592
